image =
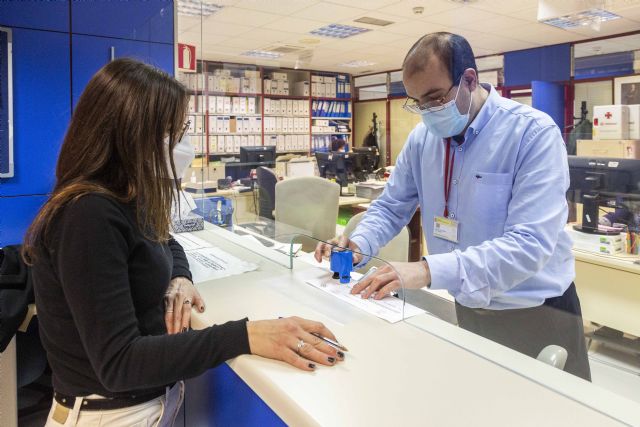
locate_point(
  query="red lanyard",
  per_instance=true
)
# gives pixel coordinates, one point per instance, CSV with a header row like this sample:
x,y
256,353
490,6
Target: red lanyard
x,y
448,173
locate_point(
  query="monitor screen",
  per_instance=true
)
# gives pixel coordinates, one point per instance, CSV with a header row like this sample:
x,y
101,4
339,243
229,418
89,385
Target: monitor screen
x,y
258,154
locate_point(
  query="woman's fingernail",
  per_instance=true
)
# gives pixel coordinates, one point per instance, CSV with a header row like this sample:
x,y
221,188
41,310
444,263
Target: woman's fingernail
x,y
341,355
202,308
331,359
312,365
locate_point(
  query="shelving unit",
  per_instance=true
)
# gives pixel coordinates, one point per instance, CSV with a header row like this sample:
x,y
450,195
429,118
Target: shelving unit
x,y
271,106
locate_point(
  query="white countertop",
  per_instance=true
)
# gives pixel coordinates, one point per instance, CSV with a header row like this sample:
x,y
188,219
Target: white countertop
x,y
420,372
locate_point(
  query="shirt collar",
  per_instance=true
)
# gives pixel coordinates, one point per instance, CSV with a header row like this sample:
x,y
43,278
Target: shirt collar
x,y
485,113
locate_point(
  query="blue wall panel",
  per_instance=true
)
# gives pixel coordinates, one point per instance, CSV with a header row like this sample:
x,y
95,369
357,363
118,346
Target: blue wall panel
x,y
219,397
41,109
549,97
52,15
134,19
16,214
548,63
90,53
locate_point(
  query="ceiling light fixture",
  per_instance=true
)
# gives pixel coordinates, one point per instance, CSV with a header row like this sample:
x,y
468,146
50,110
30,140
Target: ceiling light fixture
x,y
256,53
339,31
357,63
570,14
588,18
197,8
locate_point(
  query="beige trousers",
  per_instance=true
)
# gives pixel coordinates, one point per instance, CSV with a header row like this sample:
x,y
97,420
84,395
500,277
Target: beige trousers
x,y
159,412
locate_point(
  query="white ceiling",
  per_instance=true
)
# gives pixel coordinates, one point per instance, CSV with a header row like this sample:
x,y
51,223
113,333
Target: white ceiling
x,y
491,26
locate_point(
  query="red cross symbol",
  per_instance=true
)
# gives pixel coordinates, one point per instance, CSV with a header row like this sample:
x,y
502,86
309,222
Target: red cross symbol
x,y
608,115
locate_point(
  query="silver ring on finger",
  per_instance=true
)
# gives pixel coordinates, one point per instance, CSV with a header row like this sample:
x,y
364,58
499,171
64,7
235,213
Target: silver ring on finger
x,y
299,346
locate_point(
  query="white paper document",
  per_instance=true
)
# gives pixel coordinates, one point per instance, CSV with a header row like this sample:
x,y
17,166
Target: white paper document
x,y
389,308
207,262
189,242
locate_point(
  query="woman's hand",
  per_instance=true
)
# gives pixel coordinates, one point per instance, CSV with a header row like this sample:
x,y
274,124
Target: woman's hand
x,y
290,341
181,295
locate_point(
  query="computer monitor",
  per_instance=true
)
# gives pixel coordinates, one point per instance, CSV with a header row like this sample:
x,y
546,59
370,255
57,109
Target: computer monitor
x,y
337,165
258,154
599,182
367,159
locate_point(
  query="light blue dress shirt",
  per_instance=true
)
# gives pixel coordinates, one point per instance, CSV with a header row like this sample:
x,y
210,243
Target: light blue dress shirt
x,y
508,192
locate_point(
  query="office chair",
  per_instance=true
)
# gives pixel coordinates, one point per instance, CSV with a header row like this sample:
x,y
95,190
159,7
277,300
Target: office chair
x,y
397,250
267,181
307,205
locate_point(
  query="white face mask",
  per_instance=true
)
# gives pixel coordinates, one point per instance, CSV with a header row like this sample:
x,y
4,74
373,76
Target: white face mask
x,y
446,121
183,155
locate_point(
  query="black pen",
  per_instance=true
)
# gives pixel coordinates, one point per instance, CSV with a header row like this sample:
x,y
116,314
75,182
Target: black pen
x,y
330,342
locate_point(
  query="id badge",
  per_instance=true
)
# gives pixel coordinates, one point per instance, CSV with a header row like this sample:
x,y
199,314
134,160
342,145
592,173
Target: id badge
x,y
445,228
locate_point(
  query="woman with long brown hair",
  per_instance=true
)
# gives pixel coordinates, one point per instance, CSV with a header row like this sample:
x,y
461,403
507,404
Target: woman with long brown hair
x,y
103,259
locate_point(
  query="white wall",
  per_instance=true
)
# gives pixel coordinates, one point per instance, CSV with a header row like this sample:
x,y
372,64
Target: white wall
x,y
595,93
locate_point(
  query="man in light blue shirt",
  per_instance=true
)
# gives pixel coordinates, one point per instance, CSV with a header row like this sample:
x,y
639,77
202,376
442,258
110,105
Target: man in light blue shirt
x,y
490,176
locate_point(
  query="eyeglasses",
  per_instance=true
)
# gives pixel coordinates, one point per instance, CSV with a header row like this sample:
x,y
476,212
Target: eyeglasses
x,y
413,106
184,130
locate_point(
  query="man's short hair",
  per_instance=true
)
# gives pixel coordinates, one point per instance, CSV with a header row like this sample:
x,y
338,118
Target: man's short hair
x,y
453,50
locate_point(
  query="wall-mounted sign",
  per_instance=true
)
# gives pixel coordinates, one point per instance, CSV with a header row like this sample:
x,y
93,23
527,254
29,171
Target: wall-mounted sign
x,y
6,105
186,57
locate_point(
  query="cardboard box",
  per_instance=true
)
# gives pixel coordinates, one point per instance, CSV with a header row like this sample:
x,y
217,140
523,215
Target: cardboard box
x,y
199,124
611,122
634,121
617,149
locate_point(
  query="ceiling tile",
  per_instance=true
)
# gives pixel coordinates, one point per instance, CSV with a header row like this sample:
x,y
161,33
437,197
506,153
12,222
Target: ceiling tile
x,y
294,25
266,35
414,28
505,7
328,12
279,7
528,14
198,38
431,7
363,4
458,17
376,37
347,45
224,28
236,15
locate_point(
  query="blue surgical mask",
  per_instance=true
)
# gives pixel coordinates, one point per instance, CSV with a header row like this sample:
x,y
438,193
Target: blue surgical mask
x,y
446,121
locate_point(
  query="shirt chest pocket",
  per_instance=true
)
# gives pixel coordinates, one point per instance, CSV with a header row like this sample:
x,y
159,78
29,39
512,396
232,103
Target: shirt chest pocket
x,y
490,196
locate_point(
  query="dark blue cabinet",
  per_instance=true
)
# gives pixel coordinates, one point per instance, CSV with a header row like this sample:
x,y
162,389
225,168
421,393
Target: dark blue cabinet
x,y
16,214
90,53
41,109
150,20
52,15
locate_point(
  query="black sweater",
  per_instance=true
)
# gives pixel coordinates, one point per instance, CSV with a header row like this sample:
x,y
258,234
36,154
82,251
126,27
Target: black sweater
x,y
99,288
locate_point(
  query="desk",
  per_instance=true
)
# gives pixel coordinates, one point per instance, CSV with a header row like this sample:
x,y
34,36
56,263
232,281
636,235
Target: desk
x,y
609,290
352,200
445,377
